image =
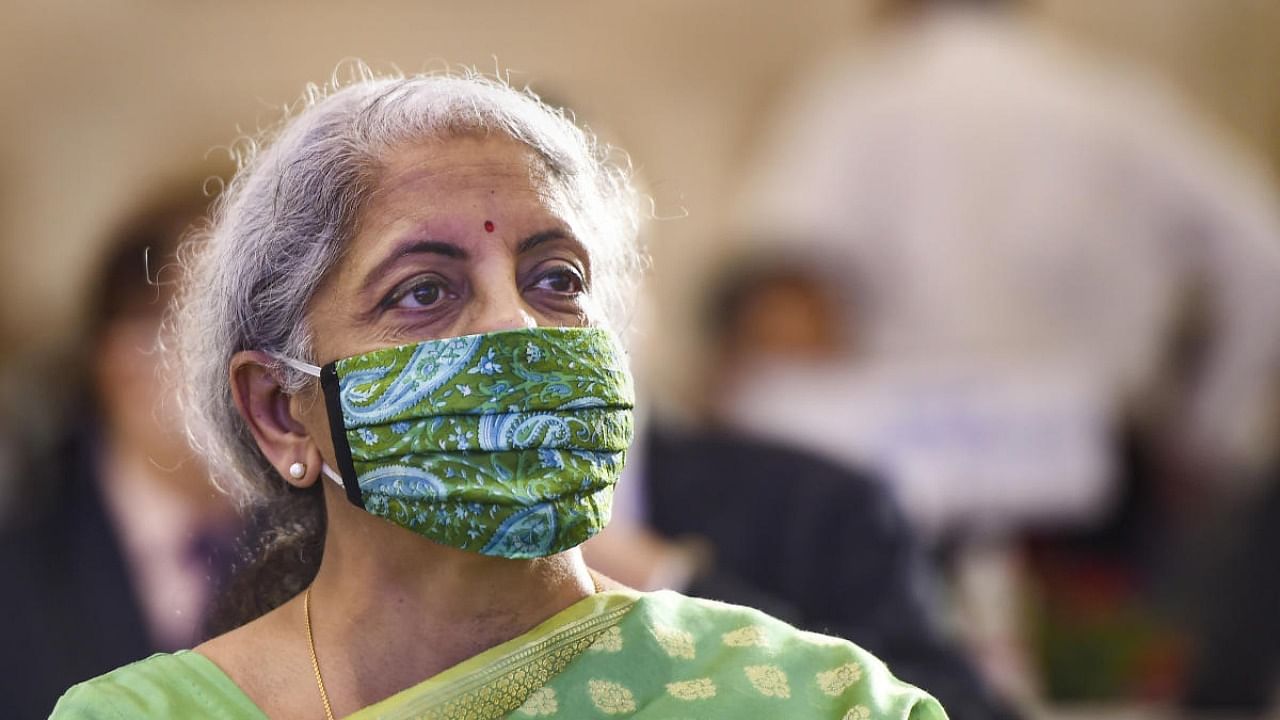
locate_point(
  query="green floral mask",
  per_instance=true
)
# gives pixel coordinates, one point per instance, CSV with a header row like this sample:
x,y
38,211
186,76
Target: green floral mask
x,y
506,444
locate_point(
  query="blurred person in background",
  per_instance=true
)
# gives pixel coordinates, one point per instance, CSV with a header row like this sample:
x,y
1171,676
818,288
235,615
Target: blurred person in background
x,y
719,514
114,539
1013,215
766,310
1027,230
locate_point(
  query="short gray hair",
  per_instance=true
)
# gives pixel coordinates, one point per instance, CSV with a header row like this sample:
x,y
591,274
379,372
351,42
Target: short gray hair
x,y
284,219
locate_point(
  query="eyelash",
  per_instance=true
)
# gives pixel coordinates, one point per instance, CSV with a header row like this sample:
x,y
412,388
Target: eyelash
x,y
566,269
406,289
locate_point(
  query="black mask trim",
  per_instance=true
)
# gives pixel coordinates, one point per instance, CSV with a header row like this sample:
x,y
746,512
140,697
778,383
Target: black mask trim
x,y
342,448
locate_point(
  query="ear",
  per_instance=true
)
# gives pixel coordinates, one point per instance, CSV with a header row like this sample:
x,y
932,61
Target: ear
x,y
266,409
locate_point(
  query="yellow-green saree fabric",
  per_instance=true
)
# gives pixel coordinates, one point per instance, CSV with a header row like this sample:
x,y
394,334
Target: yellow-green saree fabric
x,y
613,655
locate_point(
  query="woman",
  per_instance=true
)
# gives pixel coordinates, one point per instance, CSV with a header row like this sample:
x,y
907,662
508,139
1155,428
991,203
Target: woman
x,y
455,257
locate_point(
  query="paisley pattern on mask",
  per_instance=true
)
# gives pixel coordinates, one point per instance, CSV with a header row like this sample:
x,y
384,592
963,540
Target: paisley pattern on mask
x,y
507,443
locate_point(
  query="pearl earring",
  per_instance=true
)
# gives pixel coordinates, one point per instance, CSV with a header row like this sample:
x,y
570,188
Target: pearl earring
x,y
297,470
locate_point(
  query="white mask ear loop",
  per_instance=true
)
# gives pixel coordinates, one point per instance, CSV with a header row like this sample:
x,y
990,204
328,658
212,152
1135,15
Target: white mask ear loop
x,y
313,371
300,366
331,474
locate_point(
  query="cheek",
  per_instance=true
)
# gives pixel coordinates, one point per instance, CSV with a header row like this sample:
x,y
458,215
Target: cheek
x,y
308,408
323,323
593,311
590,315
554,312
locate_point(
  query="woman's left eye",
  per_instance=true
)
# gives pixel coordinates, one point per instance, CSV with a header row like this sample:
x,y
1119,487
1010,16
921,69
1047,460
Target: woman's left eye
x,y
562,281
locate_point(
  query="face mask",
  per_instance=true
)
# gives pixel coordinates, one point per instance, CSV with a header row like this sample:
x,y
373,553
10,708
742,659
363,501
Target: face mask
x,y
507,444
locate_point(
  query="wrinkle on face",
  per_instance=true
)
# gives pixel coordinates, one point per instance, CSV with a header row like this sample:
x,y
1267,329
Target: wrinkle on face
x,y
482,213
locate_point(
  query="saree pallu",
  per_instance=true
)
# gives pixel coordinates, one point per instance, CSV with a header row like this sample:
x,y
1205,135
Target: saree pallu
x,y
618,654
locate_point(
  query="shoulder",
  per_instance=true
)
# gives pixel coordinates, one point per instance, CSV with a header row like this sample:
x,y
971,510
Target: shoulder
x,y
260,657
127,691
763,657
724,627
731,457
162,685
694,482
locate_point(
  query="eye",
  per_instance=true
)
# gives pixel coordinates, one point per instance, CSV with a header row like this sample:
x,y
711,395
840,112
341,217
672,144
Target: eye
x,y
419,293
561,280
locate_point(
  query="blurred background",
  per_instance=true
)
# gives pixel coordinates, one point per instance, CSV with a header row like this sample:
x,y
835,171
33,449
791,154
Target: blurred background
x,y
1016,262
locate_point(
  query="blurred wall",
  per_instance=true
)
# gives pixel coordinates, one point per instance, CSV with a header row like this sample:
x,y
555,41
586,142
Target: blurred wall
x,y
103,101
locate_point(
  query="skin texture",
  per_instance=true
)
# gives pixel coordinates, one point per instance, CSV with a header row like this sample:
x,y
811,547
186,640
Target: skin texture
x,y
390,608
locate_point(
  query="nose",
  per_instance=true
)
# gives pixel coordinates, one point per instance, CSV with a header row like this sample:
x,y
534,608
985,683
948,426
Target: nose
x,y
497,305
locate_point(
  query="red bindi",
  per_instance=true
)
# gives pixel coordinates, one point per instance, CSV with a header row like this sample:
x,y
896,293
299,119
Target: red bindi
x,y
488,226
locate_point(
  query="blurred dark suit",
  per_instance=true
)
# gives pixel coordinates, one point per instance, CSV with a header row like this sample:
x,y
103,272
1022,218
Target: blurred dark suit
x,y
812,543
68,611
1236,664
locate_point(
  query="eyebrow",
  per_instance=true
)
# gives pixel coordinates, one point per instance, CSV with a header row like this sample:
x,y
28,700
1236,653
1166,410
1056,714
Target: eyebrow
x,y
430,247
449,250
537,239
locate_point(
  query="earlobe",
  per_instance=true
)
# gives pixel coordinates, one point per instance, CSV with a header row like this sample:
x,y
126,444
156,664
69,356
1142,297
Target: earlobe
x,y
265,407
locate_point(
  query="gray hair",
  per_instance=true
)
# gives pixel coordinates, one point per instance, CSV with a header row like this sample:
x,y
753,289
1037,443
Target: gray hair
x,y
285,218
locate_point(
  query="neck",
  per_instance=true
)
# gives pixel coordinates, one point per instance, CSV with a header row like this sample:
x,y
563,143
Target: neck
x,y
384,592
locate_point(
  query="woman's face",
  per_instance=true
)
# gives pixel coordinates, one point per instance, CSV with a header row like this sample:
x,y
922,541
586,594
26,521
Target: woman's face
x,y
462,235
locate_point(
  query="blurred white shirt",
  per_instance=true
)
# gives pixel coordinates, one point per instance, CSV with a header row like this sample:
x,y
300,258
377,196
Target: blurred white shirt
x,y
961,446
1000,204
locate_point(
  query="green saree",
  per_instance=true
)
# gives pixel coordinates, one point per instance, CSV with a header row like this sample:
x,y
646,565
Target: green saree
x,y
614,654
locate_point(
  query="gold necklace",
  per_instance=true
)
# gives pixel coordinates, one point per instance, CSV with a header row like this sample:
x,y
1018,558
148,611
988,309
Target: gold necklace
x,y
315,662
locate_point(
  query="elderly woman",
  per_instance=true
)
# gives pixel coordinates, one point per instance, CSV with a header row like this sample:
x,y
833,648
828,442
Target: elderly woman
x,y
400,333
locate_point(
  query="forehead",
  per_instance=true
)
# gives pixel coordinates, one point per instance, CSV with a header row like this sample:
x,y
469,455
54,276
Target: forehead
x,y
458,164
451,179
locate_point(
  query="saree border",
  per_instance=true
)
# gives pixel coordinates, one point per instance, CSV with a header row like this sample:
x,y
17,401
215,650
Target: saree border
x,y
498,681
